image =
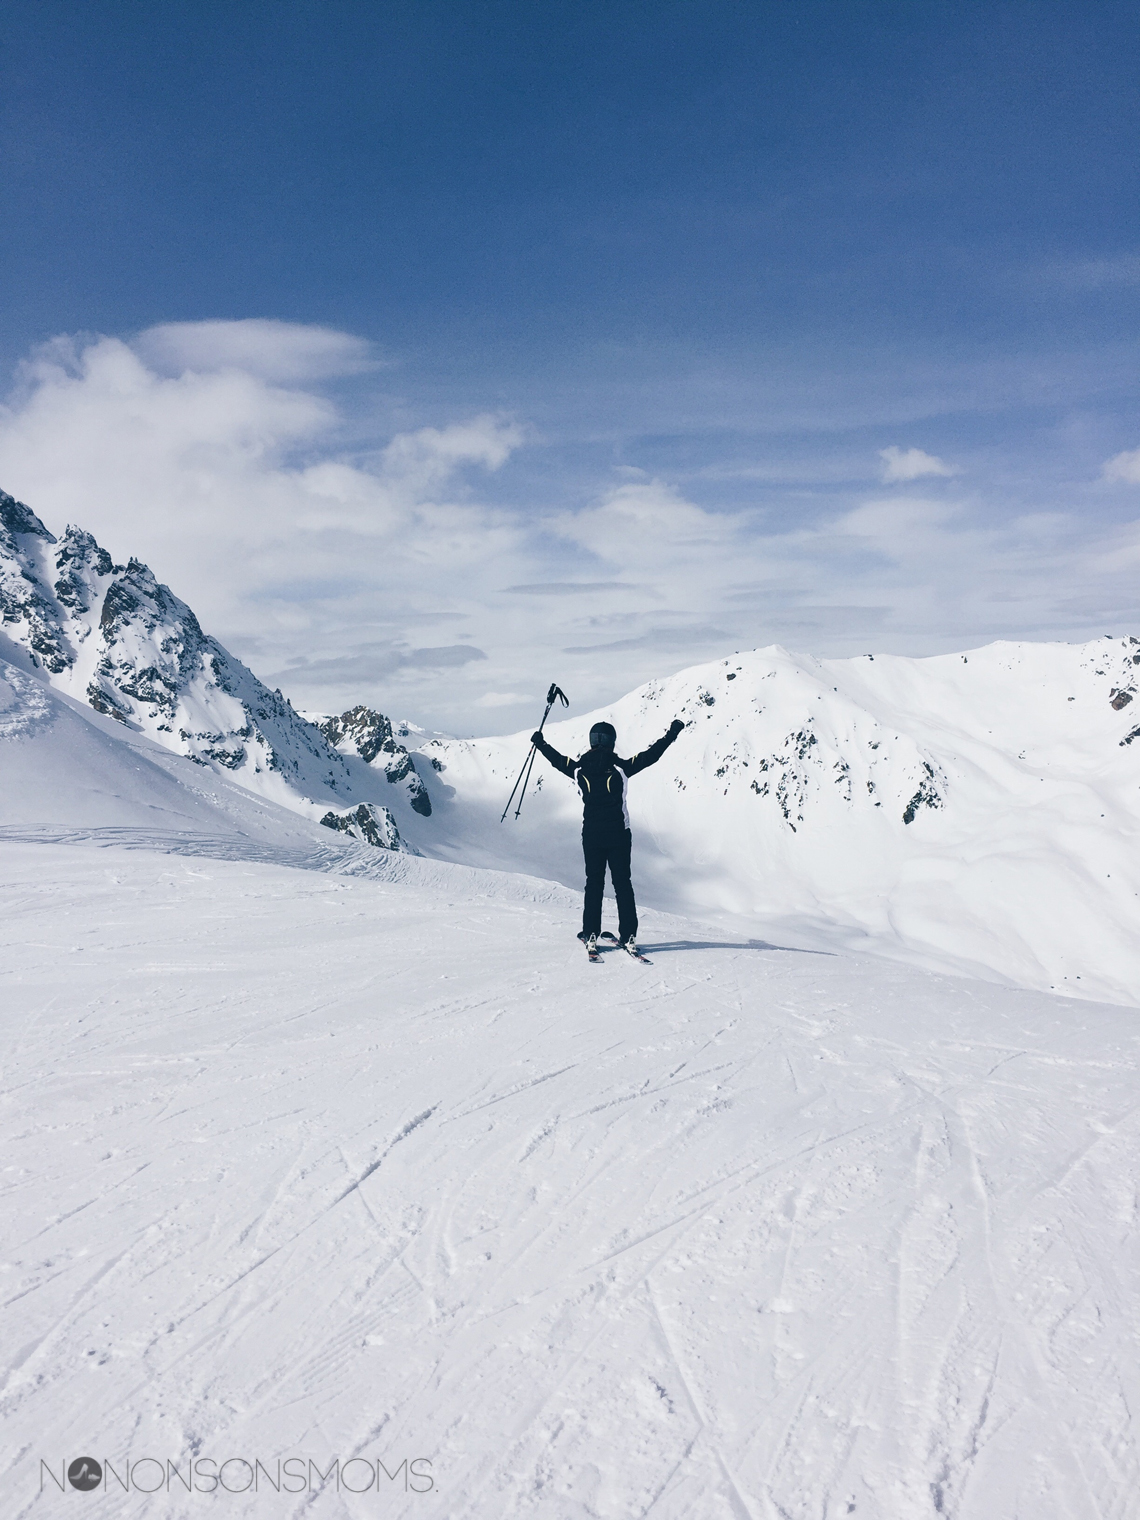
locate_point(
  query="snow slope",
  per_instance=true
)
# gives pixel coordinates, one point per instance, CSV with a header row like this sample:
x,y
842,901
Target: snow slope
x,y
976,812
67,771
304,1166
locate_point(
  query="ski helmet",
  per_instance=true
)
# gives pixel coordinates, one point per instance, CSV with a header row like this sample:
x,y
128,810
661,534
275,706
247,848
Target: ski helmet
x,y
603,736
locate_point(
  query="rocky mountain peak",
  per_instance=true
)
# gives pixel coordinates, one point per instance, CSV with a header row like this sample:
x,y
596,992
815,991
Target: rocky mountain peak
x,y
78,561
27,610
15,518
367,733
116,638
369,822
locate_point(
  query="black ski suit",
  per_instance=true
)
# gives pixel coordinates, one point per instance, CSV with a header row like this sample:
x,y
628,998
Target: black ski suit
x,y
606,837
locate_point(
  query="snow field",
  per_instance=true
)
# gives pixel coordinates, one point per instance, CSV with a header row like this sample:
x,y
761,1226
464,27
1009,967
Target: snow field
x,y
309,1165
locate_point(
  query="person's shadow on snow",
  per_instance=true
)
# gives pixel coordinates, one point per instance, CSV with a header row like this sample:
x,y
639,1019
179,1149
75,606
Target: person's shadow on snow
x,y
716,944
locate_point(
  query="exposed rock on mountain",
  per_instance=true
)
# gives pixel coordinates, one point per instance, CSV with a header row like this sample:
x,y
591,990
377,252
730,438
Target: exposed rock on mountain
x,y
366,733
374,824
116,638
66,772
25,607
927,795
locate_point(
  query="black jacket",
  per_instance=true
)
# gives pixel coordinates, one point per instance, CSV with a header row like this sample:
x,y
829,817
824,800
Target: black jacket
x,y
602,778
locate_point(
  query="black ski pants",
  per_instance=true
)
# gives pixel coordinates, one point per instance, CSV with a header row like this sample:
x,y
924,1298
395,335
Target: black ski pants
x,y
602,847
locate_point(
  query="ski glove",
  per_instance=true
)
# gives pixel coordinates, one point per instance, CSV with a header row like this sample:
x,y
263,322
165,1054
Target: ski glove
x,y
536,737
676,726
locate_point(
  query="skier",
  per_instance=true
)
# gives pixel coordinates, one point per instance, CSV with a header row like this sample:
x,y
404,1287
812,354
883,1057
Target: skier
x,y
606,837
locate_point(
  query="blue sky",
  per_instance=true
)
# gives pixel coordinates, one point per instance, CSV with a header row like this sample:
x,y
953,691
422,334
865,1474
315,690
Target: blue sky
x,y
627,298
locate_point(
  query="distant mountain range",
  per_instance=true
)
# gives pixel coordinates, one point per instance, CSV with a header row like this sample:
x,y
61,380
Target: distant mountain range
x,y
974,812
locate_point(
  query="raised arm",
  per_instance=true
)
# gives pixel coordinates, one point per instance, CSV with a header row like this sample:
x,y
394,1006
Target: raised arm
x,y
650,756
559,762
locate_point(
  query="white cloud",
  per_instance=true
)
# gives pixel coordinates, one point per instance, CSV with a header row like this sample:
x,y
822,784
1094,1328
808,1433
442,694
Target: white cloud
x,y
190,462
894,521
420,582
271,350
1124,467
294,562
910,464
636,524
423,459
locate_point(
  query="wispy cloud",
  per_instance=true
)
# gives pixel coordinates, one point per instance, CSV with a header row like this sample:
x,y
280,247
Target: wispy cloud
x,y
371,663
569,588
911,464
1123,467
669,638
895,522
279,351
1116,272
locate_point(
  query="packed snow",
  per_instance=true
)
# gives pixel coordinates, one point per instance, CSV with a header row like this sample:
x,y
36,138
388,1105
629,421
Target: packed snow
x,y
338,1182
313,1167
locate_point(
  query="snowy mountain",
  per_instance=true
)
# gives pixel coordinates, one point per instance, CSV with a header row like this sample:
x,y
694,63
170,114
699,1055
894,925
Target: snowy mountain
x,y
975,812
114,638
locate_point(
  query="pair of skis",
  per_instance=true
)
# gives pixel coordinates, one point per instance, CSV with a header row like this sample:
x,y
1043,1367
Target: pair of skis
x,y
595,954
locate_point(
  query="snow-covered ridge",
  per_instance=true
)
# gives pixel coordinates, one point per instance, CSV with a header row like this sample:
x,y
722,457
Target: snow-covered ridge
x,y
116,639
977,811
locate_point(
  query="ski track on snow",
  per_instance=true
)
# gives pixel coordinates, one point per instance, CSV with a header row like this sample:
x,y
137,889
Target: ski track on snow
x,y
310,1153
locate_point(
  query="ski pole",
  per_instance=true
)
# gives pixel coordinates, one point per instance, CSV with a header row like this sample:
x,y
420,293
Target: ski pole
x,y
554,694
528,764
526,779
